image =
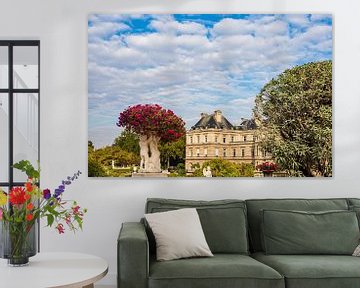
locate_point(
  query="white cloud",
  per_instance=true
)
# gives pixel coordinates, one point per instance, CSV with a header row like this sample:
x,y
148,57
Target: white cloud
x,y
320,17
104,29
298,19
170,26
179,66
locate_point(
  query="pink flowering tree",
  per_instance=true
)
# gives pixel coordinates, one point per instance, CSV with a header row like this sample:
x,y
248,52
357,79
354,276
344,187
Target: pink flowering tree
x,y
153,124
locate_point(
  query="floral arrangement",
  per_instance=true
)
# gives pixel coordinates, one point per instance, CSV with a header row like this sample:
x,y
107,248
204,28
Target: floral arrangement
x,y
152,119
267,167
28,203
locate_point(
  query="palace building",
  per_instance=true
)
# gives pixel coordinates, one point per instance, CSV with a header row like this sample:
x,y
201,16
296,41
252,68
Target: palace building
x,y
213,136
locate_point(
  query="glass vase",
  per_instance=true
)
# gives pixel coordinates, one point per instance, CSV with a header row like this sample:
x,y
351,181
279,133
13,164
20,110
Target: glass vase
x,y
18,242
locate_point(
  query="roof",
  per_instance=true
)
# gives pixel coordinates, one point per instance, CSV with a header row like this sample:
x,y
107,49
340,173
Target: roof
x,y
247,124
209,121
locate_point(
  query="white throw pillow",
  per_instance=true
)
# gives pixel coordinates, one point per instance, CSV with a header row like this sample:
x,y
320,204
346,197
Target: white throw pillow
x,y
357,251
178,234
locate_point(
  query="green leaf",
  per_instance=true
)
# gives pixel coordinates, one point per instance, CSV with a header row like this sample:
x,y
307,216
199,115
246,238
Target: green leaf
x,y
50,219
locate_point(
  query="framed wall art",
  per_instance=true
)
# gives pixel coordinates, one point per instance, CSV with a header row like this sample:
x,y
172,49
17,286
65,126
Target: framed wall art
x,y
212,95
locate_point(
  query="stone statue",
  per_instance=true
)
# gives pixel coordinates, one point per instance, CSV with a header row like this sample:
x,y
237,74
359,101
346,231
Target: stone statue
x,y
149,154
144,152
207,171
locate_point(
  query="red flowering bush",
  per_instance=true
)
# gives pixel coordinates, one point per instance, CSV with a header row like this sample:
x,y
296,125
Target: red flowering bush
x,y
267,167
152,119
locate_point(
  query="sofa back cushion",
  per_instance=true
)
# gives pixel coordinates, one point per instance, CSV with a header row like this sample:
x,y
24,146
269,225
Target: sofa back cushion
x,y
298,232
256,205
223,221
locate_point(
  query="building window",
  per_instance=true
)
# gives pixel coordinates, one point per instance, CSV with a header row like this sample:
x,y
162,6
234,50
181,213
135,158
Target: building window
x,y
252,152
224,139
198,139
191,140
19,108
232,138
244,138
191,152
234,152
198,152
216,139
242,152
224,152
216,152
205,152
206,139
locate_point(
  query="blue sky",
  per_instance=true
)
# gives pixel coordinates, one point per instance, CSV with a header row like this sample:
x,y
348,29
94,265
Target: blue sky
x,y
193,63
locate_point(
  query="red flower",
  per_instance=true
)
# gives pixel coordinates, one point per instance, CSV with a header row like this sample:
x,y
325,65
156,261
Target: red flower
x,y
27,196
152,118
60,228
29,186
29,217
29,206
267,167
17,196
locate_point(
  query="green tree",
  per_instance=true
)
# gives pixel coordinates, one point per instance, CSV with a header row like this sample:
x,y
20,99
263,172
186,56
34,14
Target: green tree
x,y
224,168
107,154
128,141
95,169
173,152
294,114
91,145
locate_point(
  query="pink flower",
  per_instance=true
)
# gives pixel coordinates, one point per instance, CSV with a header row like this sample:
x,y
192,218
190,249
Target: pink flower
x,y
60,228
1,214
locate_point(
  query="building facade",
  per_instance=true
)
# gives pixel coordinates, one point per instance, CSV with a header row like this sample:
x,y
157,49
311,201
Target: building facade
x,y
213,136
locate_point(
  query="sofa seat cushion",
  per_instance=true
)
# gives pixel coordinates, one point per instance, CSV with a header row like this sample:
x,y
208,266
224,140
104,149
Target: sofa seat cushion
x,y
313,271
222,270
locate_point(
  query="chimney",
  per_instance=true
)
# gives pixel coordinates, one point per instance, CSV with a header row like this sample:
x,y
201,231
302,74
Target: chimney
x,y
217,115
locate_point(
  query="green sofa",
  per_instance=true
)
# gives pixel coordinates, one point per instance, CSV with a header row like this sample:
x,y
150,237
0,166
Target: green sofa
x,y
235,234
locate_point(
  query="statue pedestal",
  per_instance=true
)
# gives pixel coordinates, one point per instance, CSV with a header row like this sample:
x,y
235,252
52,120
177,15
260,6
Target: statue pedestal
x,y
149,175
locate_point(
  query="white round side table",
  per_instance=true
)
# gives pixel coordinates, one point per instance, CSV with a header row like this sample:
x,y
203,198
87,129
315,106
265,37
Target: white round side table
x,y
50,270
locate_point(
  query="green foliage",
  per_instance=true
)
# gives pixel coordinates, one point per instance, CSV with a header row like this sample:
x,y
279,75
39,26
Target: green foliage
x,y
95,169
90,145
100,162
26,167
224,168
173,152
179,171
128,141
294,113
246,170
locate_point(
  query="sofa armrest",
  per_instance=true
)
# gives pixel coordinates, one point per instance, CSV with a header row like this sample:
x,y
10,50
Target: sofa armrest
x,y
133,256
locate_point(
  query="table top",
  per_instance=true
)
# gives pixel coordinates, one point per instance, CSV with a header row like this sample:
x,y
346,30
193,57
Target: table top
x,y
67,270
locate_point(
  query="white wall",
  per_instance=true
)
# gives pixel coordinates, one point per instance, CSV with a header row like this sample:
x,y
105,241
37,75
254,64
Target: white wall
x,y
62,28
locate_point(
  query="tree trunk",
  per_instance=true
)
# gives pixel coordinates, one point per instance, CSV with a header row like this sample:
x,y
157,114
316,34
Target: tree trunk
x,y
149,154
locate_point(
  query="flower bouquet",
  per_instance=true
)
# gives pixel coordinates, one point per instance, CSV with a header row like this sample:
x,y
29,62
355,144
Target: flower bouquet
x,y
21,208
